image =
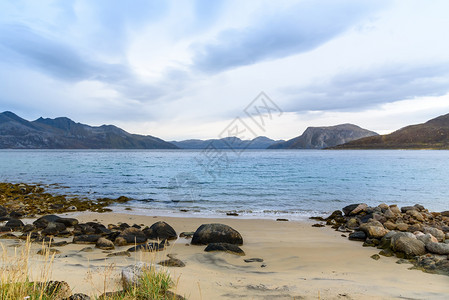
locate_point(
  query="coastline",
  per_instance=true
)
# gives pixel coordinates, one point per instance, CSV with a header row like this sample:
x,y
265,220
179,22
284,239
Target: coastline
x,y
300,261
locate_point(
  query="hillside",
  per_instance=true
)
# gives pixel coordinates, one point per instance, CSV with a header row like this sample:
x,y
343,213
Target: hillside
x,y
324,137
63,133
433,134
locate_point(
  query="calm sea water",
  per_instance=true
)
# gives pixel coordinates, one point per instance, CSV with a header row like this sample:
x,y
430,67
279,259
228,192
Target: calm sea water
x,y
254,183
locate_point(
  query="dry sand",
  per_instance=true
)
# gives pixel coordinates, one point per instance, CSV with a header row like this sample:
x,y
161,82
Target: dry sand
x,y
300,262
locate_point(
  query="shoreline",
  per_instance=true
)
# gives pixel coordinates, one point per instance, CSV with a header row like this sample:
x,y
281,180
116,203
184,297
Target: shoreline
x,y
300,261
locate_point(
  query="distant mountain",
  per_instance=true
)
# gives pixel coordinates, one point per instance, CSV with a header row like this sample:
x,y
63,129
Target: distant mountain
x,y
433,134
323,137
63,133
260,142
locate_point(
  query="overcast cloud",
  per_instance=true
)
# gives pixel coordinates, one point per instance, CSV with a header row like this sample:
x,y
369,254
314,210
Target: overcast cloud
x,y
185,69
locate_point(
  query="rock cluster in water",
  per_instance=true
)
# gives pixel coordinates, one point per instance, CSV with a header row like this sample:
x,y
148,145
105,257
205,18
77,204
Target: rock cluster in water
x,y
24,200
410,232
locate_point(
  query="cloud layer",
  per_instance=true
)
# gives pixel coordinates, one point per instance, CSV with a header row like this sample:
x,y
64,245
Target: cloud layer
x,y
193,65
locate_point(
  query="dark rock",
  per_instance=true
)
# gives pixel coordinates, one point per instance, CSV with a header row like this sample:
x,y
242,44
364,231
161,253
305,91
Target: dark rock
x,y
172,262
230,248
132,235
28,228
438,248
123,226
86,239
3,211
357,236
349,208
420,207
187,235
375,256
43,221
15,214
335,215
79,296
81,229
250,260
282,220
318,225
365,218
161,231
445,213
104,244
216,233
59,244
149,247
386,252
14,224
370,242
68,222
232,214
407,208
53,228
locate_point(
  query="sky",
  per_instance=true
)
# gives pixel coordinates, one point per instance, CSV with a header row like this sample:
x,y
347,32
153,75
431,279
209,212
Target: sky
x,y
188,69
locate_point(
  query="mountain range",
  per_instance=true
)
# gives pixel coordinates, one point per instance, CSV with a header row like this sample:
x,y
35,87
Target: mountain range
x,y
324,137
434,134
260,142
63,133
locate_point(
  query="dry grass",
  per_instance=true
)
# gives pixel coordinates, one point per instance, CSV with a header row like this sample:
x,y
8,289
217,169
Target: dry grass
x,y
18,282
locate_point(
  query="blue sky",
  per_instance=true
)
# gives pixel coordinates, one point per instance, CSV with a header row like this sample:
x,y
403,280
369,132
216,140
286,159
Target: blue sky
x,y
186,69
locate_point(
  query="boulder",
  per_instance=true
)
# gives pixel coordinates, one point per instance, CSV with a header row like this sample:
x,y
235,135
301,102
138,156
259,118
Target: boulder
x,y
373,229
390,226
352,223
402,227
229,248
53,228
438,248
408,246
404,209
415,214
14,224
216,233
389,214
104,244
133,236
437,233
426,238
149,247
357,236
43,221
3,211
161,231
86,239
79,296
172,262
348,209
395,209
359,209
68,222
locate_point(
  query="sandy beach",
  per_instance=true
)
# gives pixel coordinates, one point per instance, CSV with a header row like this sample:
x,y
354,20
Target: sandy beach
x,y
300,262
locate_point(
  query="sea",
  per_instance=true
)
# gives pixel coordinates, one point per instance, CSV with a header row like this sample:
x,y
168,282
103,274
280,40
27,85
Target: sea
x,y
295,184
